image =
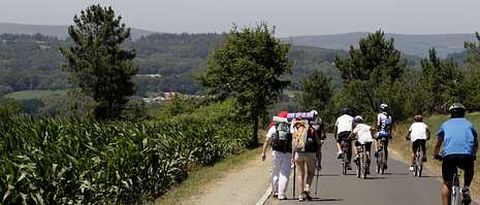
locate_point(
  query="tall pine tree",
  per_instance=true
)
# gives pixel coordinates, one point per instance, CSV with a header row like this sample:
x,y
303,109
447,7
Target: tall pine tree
x,y
99,65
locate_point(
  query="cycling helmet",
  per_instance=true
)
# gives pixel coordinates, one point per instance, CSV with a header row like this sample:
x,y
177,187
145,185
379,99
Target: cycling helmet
x,y
358,119
383,107
418,118
314,112
457,110
345,111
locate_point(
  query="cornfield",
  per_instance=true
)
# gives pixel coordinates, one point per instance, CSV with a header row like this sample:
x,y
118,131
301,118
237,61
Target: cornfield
x,y
60,161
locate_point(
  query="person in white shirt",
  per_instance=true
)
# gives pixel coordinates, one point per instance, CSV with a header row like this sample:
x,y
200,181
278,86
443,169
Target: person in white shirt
x,y
418,134
363,133
342,130
279,138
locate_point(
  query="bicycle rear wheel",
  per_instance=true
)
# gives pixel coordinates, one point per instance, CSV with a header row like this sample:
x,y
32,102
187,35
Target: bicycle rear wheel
x,y
344,163
382,159
419,162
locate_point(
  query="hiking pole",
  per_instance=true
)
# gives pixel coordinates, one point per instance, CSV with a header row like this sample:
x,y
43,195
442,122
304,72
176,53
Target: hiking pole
x,y
294,177
316,184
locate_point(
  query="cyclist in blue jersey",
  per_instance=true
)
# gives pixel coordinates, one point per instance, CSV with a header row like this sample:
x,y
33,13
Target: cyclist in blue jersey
x,y
384,128
460,144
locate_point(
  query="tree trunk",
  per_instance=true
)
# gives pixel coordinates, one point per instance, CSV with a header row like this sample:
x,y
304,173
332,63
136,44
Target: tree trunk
x,y
254,142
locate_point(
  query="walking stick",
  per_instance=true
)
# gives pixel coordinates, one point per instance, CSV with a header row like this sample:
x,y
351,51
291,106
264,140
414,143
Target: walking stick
x,y
316,184
294,177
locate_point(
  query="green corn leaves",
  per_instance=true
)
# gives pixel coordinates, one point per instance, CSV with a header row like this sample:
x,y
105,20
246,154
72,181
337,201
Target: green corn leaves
x,y
59,161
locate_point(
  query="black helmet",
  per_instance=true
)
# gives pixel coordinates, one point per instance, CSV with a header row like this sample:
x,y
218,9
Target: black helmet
x,y
345,111
457,110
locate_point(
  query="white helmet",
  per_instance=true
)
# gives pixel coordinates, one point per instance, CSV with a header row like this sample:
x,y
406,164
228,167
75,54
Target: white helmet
x,y
358,119
383,107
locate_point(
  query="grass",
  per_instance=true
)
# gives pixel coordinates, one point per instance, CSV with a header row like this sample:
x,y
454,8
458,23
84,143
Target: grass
x,y
35,94
201,177
404,147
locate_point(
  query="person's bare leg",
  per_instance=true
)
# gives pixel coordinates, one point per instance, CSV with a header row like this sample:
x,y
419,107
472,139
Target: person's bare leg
x,y
445,193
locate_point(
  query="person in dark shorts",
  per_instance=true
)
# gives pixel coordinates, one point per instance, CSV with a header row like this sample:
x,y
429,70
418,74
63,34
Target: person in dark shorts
x,y
460,144
418,133
343,129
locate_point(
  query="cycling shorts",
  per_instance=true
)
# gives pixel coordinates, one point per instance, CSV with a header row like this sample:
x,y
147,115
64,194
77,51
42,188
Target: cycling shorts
x,y
368,146
451,162
342,135
419,143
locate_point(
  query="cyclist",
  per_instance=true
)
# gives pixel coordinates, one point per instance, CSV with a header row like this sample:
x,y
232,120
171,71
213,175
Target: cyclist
x,y
363,133
460,144
342,130
384,128
418,134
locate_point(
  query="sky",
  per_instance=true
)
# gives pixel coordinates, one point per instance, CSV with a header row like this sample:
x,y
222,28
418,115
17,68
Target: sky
x,y
290,17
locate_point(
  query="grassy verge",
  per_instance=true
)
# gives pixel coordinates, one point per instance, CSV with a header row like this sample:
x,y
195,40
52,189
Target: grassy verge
x,y
199,178
402,146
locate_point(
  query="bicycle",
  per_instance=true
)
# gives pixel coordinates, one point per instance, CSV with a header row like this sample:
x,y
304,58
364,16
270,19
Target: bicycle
x,y
345,145
418,165
381,159
361,162
455,193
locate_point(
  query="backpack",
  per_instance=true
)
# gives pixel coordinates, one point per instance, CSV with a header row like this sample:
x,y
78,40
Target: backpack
x,y
282,139
304,138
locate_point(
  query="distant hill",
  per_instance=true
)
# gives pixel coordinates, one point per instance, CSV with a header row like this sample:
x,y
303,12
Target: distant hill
x,y
410,44
166,62
59,32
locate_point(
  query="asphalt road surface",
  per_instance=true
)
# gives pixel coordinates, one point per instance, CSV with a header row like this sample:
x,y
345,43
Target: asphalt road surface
x,y
396,186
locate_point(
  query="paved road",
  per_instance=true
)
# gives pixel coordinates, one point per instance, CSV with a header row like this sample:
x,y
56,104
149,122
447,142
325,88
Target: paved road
x,y
396,186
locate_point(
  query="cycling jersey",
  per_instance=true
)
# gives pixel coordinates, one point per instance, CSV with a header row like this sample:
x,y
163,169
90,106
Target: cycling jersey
x,y
363,133
418,131
384,123
458,136
344,123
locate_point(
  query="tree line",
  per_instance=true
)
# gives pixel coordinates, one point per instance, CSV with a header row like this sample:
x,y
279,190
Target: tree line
x,y
373,73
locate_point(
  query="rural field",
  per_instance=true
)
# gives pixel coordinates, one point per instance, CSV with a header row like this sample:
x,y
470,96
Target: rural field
x,y
182,102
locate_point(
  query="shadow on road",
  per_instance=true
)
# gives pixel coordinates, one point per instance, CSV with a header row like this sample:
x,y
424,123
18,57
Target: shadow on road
x,y
374,178
396,173
329,175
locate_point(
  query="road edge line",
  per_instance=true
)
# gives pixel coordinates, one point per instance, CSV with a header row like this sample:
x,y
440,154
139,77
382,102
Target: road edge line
x,y
265,196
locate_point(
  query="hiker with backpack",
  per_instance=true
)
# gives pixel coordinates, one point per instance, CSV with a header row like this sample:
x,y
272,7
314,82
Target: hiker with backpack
x,y
305,148
279,138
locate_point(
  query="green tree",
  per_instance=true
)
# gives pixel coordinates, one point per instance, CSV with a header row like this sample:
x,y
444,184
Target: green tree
x,y
369,72
317,91
470,87
98,63
441,79
248,67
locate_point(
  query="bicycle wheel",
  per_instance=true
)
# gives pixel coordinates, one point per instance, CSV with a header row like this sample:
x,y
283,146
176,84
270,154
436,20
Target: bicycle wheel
x,y
454,196
344,163
419,162
359,166
379,161
382,168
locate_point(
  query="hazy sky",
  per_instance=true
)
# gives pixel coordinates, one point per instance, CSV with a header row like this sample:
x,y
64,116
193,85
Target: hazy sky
x,y
291,17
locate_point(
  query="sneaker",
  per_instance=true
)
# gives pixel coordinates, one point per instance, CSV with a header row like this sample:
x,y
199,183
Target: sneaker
x,y
411,168
339,155
300,197
282,198
275,195
307,195
466,195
